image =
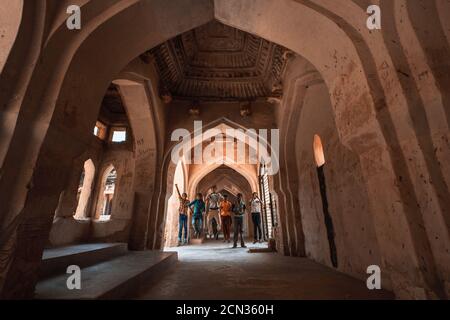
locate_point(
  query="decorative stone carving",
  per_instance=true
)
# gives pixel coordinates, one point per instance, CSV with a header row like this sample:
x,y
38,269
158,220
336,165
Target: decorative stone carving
x,y
218,62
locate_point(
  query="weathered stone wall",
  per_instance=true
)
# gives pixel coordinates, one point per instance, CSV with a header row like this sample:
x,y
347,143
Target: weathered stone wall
x,y
67,229
346,191
117,228
312,114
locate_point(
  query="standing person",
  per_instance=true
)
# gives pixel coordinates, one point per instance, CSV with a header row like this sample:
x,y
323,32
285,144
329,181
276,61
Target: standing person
x,y
212,209
239,211
182,217
225,215
197,217
256,209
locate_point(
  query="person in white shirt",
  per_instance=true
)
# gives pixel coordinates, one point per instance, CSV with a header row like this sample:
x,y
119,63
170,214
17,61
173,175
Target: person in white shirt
x,y
256,209
212,208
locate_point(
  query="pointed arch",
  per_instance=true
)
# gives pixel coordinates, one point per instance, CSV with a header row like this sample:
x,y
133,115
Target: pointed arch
x,y
107,190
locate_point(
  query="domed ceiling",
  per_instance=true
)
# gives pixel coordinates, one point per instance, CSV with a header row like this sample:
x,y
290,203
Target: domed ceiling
x,y
218,62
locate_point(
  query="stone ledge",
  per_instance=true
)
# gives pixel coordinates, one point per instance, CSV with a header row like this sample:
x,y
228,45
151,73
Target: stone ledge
x,y
113,279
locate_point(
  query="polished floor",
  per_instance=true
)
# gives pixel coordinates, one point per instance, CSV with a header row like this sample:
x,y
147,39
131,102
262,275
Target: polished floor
x,y
215,271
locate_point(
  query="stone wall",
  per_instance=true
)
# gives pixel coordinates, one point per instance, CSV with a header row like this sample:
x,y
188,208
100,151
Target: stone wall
x,y
346,191
67,229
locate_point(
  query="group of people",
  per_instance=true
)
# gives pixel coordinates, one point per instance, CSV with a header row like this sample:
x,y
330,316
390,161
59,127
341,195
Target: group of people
x,y
221,215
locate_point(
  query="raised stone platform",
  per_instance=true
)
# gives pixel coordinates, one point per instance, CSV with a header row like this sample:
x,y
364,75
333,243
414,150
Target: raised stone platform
x,y
119,276
56,260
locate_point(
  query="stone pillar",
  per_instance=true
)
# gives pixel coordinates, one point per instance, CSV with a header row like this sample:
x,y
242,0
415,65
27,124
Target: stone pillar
x,y
139,110
25,238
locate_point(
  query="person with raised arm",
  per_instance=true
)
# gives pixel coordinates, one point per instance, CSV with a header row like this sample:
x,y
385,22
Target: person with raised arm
x,y
182,217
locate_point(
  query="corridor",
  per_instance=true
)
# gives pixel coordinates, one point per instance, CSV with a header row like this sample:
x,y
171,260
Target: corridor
x,y
215,271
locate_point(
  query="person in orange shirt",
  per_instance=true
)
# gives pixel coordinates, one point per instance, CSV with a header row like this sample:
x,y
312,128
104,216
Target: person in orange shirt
x,y
225,216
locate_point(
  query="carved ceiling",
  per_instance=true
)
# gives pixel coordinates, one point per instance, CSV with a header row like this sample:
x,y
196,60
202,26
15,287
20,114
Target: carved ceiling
x,y
218,62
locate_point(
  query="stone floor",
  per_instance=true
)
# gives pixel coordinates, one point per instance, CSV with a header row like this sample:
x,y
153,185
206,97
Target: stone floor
x,y
215,271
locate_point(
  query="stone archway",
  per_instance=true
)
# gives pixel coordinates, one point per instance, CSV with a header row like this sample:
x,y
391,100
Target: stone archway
x,y
225,177
106,192
156,225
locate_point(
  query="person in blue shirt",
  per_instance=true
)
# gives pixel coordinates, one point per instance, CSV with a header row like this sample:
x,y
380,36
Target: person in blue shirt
x,y
198,207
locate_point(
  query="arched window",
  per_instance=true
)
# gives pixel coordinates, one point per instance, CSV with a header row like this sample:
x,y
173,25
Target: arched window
x,y
107,190
318,151
85,189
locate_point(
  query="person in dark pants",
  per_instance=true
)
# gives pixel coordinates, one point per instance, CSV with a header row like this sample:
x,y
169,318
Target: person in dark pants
x,y
197,217
212,210
183,218
215,228
256,209
239,211
225,215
